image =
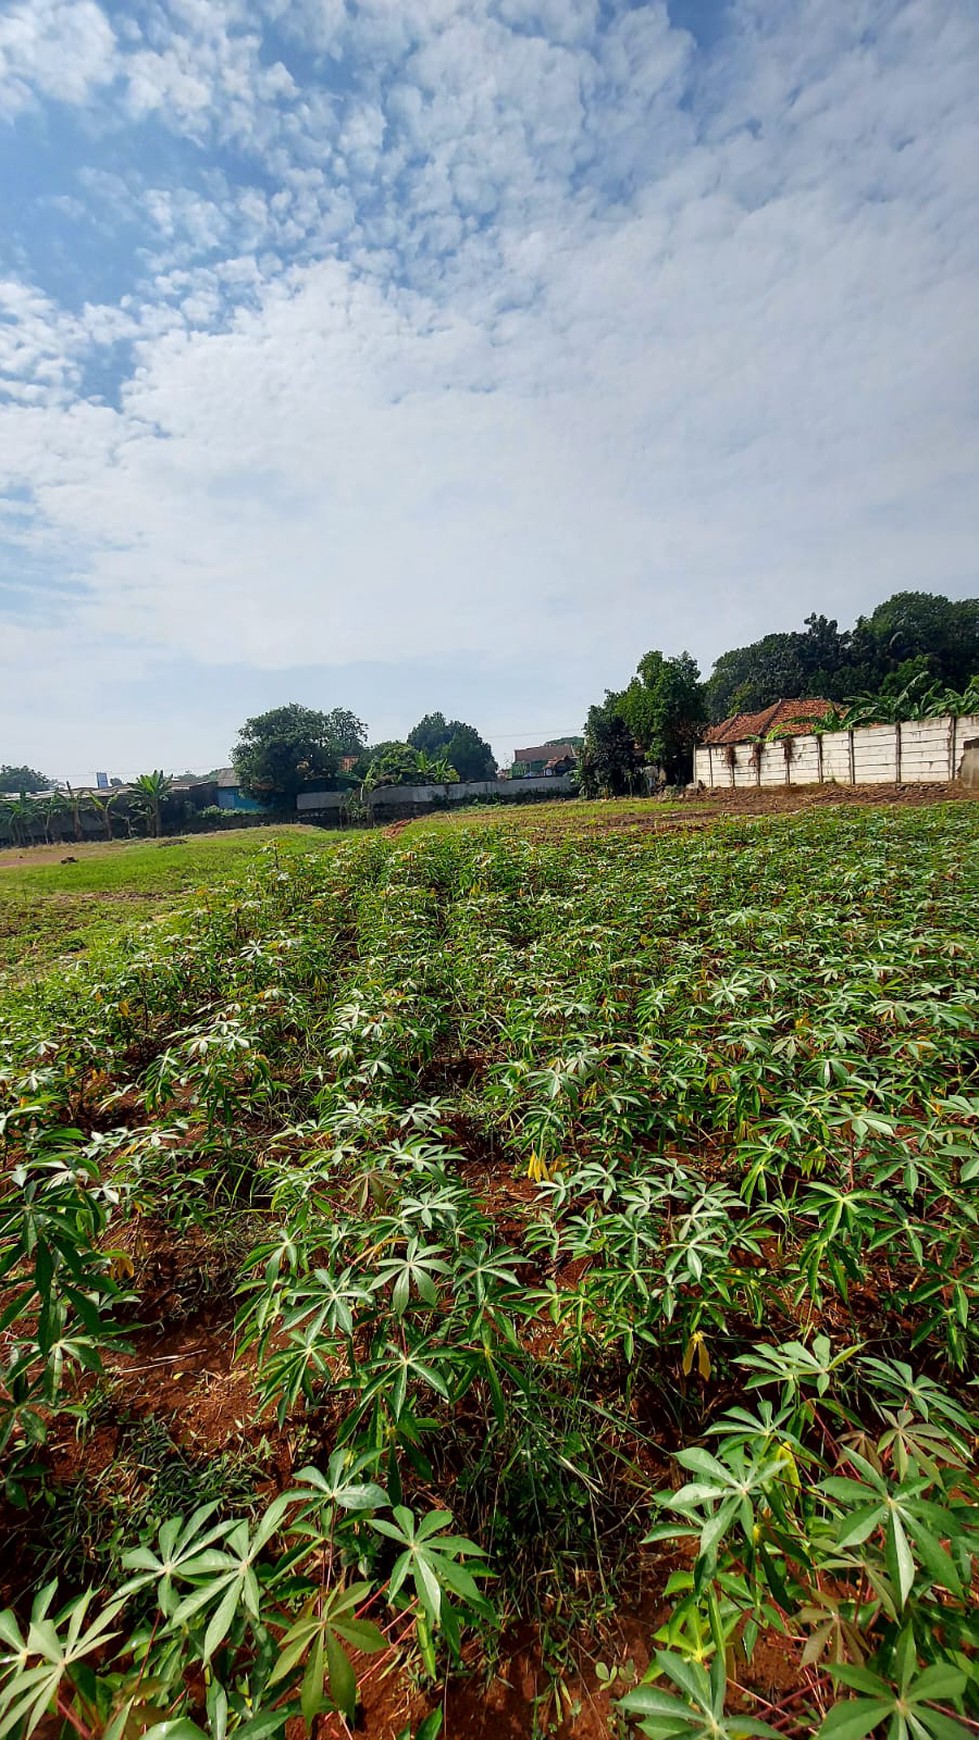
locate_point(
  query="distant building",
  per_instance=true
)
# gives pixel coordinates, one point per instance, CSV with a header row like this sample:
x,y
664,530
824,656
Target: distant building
x,y
548,759
230,795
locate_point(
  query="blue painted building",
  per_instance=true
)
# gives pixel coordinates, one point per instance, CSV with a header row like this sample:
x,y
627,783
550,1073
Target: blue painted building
x,y
231,796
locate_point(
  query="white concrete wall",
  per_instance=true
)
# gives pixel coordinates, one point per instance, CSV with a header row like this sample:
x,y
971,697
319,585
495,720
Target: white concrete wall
x,y
919,752
875,755
925,746
394,796
836,757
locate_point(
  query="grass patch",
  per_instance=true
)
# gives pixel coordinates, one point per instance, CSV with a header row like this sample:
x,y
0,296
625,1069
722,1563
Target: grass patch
x,y
50,909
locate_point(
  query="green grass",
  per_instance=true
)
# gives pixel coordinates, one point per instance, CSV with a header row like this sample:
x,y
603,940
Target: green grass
x,y
49,910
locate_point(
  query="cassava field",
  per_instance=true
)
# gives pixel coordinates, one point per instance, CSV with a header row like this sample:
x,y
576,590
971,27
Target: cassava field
x,y
510,1277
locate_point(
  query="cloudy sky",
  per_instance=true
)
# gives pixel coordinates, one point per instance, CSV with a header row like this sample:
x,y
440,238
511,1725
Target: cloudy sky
x,y
404,354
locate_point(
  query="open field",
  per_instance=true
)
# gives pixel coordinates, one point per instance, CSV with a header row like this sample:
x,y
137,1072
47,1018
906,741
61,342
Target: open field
x,y
50,907
511,1274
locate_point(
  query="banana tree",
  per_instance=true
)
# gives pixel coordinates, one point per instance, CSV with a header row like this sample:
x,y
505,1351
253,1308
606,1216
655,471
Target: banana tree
x,y
25,814
436,770
75,801
149,791
54,806
103,809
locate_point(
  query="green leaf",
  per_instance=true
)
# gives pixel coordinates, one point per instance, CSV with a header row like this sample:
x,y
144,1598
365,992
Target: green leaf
x,y
648,1701
860,1679
854,1719
900,1561
343,1680
431,1726
311,1697
943,1727
220,1622
939,1681
269,1722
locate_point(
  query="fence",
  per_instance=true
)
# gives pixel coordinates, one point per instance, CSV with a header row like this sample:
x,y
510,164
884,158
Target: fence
x,y
385,799
917,752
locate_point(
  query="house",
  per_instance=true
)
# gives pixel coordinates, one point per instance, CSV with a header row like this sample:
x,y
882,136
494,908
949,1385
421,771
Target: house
x,y
788,718
198,794
548,759
230,795
774,746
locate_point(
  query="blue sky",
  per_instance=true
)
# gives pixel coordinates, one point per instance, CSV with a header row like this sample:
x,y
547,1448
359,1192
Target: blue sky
x,y
406,354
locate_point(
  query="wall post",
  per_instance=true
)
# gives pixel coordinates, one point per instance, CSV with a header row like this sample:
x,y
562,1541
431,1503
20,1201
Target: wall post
x,y
852,760
897,752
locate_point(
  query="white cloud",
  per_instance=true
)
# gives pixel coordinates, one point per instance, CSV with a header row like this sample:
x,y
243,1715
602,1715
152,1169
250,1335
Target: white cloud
x,y
63,49
534,336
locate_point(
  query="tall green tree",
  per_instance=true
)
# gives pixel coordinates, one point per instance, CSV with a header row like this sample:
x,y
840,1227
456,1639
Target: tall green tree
x,y
22,779
280,752
919,626
665,709
610,764
430,734
909,634
456,743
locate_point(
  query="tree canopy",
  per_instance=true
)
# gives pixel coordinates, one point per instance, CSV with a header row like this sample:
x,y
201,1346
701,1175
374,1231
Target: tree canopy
x,y
664,708
458,744
610,764
397,763
18,779
280,752
909,634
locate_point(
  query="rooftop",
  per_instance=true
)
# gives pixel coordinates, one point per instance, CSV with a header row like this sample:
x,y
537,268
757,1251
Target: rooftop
x,y
547,752
790,718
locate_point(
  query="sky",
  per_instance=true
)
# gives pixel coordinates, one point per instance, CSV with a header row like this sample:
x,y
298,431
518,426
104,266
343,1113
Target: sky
x,y
417,354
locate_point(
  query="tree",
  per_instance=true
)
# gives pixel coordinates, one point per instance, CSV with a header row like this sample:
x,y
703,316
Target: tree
x,y
920,626
392,763
103,806
459,744
75,800
22,779
751,677
53,809
909,634
435,769
665,709
280,752
24,815
469,753
149,792
610,763
431,733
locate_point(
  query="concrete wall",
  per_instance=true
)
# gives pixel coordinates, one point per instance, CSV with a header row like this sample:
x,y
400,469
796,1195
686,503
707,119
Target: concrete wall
x,y
409,797
918,752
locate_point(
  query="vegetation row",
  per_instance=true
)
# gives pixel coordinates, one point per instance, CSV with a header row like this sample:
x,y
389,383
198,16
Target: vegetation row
x,y
598,1211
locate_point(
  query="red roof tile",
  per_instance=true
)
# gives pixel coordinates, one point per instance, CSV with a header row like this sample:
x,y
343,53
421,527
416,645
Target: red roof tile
x,y
784,714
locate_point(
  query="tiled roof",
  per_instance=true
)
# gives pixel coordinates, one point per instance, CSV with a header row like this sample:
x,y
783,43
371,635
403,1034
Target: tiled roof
x,y
547,752
784,714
